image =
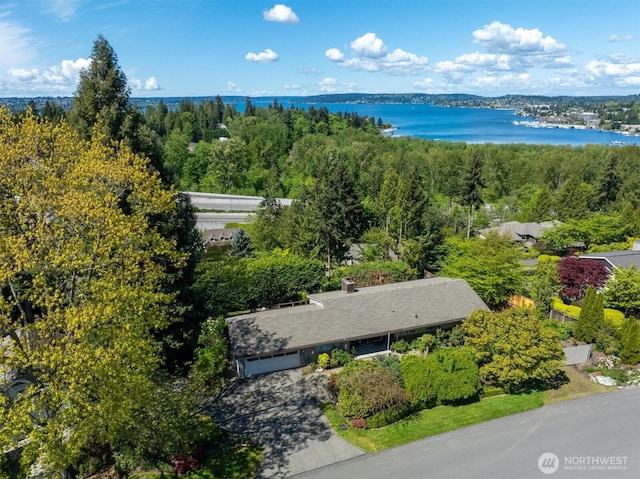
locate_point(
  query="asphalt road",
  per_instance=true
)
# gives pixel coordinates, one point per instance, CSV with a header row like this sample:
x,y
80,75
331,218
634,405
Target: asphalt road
x,y
593,437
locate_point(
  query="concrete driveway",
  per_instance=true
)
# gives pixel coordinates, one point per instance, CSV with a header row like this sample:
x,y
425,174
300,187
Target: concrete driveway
x,y
282,412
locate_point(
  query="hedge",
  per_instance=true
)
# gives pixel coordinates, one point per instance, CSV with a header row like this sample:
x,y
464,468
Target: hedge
x,y
613,316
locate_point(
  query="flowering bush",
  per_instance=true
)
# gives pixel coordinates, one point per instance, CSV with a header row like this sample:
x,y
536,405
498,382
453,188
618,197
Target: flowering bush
x,y
359,423
187,461
323,360
607,362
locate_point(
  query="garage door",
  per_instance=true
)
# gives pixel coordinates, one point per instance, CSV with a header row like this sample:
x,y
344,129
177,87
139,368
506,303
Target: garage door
x,y
267,364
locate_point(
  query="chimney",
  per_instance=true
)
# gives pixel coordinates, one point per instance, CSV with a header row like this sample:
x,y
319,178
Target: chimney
x,y
348,286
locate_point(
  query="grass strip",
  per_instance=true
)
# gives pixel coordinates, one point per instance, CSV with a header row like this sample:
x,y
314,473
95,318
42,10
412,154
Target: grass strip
x,y
431,422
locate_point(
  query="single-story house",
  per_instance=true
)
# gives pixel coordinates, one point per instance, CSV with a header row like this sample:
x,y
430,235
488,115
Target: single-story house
x,y
366,319
616,259
528,233
217,236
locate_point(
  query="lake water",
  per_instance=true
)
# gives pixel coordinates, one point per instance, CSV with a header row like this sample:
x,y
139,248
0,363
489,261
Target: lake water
x,y
470,125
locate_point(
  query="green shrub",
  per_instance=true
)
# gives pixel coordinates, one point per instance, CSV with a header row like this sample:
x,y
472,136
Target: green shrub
x,y
390,362
564,329
324,360
447,376
491,391
365,388
607,340
427,343
390,416
569,310
400,346
281,277
340,357
374,272
620,375
615,317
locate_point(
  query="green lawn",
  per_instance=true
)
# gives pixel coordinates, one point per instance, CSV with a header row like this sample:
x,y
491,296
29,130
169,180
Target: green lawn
x,y
432,421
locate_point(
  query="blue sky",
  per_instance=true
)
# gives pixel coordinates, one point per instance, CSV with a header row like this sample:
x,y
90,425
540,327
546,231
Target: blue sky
x,y
307,47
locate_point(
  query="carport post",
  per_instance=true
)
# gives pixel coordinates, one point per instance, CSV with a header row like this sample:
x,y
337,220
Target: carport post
x,y
388,341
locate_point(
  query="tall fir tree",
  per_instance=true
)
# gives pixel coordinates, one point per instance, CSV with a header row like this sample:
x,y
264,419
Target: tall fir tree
x,y
102,102
472,185
609,185
571,200
630,335
102,96
591,317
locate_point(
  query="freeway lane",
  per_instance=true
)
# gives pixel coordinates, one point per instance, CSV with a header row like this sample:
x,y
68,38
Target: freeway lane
x,y
583,434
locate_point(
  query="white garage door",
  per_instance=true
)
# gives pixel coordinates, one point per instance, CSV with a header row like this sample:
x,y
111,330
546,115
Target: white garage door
x,y
277,362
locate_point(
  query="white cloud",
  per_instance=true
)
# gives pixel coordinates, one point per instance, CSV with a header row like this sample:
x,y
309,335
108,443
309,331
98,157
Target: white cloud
x,y
525,48
618,38
454,71
488,61
369,53
280,13
233,88
150,84
369,45
15,44
425,84
21,74
266,56
331,85
501,38
619,70
60,79
334,55
510,57
328,85
309,71
291,87
63,9
508,80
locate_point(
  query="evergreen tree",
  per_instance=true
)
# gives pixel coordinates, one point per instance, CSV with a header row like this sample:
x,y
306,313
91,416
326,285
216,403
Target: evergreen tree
x,y
609,185
544,284
630,335
540,207
335,212
102,102
241,246
571,200
102,96
591,317
472,185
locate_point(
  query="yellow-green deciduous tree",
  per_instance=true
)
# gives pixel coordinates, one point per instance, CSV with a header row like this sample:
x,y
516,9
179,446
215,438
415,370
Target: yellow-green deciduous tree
x,y
81,266
512,348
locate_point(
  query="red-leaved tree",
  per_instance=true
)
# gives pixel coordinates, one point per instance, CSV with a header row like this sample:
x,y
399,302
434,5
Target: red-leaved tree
x,y
576,275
